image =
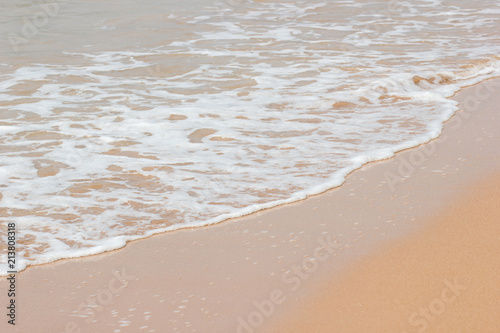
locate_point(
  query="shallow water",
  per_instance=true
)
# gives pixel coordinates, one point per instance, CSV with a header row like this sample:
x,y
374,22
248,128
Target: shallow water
x,y
121,119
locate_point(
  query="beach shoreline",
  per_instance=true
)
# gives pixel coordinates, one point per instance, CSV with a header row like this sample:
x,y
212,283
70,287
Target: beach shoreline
x,y
243,275
444,278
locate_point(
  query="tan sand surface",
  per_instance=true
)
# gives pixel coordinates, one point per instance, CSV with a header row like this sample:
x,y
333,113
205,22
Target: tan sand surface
x,y
254,273
445,279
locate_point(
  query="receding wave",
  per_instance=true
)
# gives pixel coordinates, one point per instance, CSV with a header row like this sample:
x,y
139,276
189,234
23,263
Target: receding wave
x,y
246,106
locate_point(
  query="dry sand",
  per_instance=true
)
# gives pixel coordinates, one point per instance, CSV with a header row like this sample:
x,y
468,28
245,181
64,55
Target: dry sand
x,y
380,247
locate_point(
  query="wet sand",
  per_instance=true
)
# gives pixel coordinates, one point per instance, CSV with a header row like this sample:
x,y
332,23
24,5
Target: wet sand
x,y
291,268
445,279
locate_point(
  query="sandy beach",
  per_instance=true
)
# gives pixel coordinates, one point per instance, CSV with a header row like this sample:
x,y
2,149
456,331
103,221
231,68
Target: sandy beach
x,y
445,279
409,244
